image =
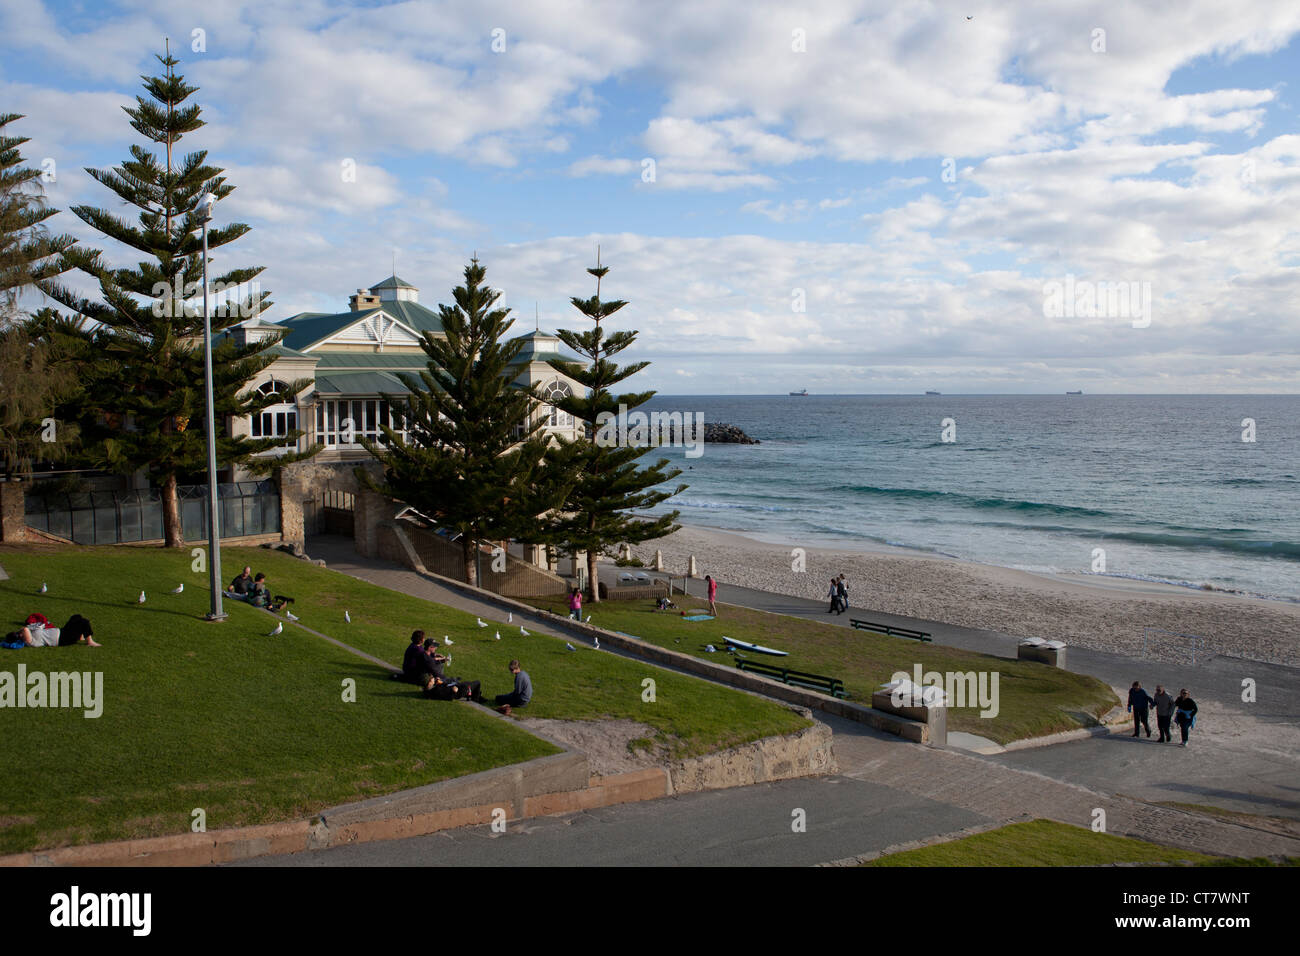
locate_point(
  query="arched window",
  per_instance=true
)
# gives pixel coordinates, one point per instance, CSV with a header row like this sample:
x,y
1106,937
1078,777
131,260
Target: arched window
x,y
553,392
278,420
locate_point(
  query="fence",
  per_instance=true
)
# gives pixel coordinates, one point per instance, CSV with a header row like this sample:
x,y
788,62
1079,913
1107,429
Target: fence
x,y
120,517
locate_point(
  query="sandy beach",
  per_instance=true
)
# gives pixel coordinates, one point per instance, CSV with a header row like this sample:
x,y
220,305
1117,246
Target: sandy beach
x,y
1093,611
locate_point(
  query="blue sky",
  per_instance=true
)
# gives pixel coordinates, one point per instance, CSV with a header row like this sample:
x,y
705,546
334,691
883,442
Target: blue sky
x,y
789,167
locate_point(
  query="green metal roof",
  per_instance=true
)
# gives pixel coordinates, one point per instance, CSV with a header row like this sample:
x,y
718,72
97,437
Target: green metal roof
x,y
310,328
360,383
538,347
367,360
392,282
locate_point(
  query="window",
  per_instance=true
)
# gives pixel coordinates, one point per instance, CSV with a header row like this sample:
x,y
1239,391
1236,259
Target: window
x,y
554,392
344,422
278,420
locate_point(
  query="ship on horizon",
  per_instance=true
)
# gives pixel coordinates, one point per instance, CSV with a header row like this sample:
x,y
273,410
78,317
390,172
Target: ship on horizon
x,y
802,391
1079,392
932,392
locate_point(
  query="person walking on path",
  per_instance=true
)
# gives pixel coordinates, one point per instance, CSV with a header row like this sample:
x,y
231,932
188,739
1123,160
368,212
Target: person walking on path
x,y
834,595
575,604
713,594
1139,702
1164,713
843,590
1186,714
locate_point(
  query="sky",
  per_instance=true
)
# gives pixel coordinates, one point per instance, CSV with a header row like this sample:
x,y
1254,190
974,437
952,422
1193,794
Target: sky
x,y
847,197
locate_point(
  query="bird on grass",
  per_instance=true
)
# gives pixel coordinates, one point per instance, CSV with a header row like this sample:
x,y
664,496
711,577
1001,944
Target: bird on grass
x,y
570,646
522,631
44,587
588,618
279,629
140,599
178,589
498,635
447,640
290,615
481,622
598,643
347,617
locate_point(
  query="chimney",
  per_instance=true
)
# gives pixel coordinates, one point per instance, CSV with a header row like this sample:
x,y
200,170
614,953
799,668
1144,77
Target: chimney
x,y
363,301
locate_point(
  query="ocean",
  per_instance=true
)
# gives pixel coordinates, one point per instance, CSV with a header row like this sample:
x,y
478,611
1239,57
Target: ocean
x,y
1152,487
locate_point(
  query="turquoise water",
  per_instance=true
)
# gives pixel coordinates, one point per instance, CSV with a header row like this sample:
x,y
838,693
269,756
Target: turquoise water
x,y
1163,485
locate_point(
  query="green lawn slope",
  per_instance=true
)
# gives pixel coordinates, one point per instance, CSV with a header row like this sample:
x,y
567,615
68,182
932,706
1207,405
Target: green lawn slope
x,y
252,729
1034,699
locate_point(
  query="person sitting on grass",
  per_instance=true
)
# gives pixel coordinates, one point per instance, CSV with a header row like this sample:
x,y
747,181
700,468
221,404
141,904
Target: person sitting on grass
x,y
38,633
522,693
440,687
261,595
415,663
242,586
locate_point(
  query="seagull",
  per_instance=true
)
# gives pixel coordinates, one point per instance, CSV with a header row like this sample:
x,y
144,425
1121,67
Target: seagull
x,y
588,618
290,615
481,622
498,635
279,629
522,631
178,589
510,618
140,599
44,588
447,640
598,643
570,646
347,617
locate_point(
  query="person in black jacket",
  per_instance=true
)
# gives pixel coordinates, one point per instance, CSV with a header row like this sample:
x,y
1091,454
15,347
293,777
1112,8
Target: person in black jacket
x,y
415,663
1139,702
1185,714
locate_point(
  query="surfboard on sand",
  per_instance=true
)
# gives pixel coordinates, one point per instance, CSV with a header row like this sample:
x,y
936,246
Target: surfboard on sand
x,y
756,648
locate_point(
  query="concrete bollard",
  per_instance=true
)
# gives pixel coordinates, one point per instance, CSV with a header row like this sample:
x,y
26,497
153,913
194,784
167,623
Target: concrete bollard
x,y
1051,653
659,560
926,705
691,571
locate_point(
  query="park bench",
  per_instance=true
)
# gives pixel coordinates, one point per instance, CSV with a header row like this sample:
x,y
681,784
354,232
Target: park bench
x,y
827,685
890,631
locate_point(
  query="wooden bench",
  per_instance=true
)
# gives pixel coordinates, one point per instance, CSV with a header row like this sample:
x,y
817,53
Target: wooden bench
x,y
827,685
890,631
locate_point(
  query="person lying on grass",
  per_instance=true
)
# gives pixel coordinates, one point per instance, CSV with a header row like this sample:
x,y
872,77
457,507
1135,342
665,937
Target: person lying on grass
x,y
38,633
440,687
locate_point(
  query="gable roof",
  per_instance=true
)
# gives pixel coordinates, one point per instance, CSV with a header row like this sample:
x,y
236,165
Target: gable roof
x,y
309,329
539,347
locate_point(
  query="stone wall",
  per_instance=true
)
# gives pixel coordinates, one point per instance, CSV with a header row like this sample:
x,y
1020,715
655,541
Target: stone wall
x,y
519,579
804,753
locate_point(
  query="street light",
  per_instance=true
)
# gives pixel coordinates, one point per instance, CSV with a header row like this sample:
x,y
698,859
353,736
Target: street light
x,y
214,530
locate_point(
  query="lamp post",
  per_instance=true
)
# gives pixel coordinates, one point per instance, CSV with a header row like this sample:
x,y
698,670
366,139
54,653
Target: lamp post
x,y
214,529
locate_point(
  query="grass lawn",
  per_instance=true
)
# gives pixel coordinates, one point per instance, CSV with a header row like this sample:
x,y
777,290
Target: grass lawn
x,y
1034,699
1048,843
254,729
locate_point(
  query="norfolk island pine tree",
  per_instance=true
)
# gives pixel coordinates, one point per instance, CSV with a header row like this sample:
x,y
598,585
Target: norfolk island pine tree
x,y
154,371
35,375
474,456
610,480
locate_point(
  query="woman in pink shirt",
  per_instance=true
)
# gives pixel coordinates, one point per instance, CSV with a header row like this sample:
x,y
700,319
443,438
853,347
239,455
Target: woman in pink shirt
x,y
713,594
575,604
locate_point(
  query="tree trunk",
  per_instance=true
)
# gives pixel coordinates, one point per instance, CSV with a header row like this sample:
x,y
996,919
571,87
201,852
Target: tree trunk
x,y
592,577
470,549
171,509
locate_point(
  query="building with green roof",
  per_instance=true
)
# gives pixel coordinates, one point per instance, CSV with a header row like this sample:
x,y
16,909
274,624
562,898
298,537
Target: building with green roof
x,y
353,359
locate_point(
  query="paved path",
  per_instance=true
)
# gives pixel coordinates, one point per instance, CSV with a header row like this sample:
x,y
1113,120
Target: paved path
x,y
887,792
1243,756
